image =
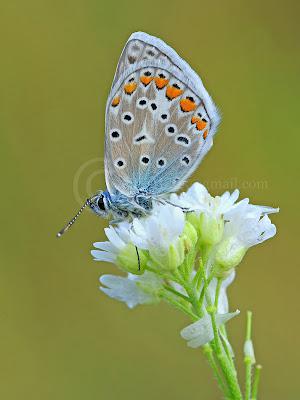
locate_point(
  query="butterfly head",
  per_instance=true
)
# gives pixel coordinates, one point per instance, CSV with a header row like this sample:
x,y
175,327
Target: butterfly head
x,y
100,204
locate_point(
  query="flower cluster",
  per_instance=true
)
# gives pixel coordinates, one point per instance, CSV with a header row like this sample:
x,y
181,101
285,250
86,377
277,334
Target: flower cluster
x,y
185,253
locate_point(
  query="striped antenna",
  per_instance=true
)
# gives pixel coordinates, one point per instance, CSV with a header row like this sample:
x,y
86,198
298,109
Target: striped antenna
x,y
69,224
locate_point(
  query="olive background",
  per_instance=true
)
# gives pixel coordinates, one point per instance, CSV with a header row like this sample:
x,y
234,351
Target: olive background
x,y
60,337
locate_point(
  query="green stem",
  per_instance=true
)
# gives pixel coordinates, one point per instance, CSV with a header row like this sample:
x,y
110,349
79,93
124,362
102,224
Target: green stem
x,y
164,295
163,275
248,359
219,283
256,380
172,290
208,353
205,286
226,366
228,351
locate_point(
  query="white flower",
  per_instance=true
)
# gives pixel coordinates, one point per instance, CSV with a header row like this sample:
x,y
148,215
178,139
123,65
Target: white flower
x,y
160,233
120,250
133,289
161,229
201,332
246,226
118,238
198,198
249,223
209,211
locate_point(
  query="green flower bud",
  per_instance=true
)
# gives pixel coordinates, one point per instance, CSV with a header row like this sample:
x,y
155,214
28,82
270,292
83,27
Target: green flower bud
x,y
211,229
190,237
193,219
170,259
229,254
128,261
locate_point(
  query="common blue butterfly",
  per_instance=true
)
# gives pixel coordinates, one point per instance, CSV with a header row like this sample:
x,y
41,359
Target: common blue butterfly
x,y
160,123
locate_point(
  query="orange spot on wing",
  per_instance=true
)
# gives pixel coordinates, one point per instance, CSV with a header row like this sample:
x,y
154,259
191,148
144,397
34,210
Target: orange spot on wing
x,y
199,123
173,92
205,134
129,88
146,79
116,101
187,105
161,82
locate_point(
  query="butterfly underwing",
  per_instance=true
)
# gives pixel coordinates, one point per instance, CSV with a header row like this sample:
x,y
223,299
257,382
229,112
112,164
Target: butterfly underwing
x,y
159,124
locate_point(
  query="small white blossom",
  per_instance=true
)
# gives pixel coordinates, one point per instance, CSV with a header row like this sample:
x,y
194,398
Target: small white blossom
x,y
198,198
249,223
159,230
246,226
133,289
159,233
118,238
201,332
209,211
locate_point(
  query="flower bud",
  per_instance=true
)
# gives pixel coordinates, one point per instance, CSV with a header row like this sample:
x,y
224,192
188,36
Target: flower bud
x,y
171,258
229,254
190,237
249,351
129,261
209,227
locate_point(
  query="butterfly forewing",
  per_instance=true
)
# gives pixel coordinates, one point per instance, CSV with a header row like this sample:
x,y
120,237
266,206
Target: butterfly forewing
x,y
158,126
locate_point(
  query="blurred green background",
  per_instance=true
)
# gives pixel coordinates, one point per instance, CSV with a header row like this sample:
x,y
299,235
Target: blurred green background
x,y
61,338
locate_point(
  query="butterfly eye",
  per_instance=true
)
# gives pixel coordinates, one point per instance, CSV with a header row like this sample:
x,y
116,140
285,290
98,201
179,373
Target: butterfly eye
x,y
100,203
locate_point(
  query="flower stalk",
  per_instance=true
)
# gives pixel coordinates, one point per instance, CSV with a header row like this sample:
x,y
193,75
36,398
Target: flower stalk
x,y
188,260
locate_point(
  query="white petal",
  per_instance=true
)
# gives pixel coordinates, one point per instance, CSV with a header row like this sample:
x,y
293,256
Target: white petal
x,y
125,288
201,332
223,318
114,237
103,256
107,246
202,327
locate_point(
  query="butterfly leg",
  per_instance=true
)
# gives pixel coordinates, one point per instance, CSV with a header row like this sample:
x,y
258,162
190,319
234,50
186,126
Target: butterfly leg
x,y
184,209
138,257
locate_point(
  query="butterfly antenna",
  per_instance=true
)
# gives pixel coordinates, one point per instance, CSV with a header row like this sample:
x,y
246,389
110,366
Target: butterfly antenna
x,y
69,224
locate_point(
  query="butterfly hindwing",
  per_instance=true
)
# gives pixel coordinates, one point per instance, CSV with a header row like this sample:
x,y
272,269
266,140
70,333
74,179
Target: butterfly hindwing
x,y
158,125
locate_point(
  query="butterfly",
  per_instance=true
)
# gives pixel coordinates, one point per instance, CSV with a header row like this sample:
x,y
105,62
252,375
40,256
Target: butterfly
x,y
160,123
